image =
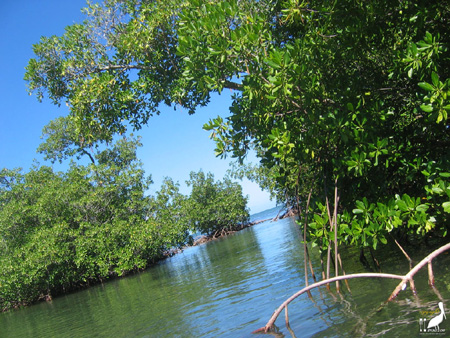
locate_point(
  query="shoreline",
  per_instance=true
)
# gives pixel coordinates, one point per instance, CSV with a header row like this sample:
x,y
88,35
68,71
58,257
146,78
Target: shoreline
x,y
164,255
224,233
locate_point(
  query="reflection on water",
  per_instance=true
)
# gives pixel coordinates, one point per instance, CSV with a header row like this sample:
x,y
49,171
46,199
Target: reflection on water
x,y
230,287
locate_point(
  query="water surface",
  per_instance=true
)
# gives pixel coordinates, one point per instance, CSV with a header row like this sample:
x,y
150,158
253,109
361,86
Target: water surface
x,y
231,286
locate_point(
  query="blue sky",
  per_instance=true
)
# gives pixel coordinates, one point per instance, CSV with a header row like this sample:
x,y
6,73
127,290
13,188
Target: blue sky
x,y
174,143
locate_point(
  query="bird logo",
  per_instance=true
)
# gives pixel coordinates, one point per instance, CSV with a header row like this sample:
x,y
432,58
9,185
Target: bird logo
x,y
433,324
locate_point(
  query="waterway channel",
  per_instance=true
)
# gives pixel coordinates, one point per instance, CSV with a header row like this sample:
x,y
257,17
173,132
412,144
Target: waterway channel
x,y
231,286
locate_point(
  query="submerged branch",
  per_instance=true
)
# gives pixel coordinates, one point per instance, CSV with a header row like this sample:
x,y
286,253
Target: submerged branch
x,y
420,265
275,315
404,279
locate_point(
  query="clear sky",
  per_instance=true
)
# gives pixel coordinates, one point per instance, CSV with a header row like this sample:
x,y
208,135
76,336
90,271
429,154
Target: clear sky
x,y
174,143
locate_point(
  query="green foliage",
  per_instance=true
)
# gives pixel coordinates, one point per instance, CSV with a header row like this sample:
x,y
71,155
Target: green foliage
x,y
59,231
169,209
319,108
347,99
92,67
62,141
371,223
263,176
350,90
215,206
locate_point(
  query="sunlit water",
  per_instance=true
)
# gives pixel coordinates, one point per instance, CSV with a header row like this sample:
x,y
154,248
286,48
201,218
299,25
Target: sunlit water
x,y
230,287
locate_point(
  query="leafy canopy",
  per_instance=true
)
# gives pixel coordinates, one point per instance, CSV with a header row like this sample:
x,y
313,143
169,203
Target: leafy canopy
x,y
215,206
62,230
59,231
353,92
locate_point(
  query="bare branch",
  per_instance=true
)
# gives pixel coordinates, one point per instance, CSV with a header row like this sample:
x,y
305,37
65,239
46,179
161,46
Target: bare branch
x,y
122,67
422,263
83,151
404,279
274,317
406,255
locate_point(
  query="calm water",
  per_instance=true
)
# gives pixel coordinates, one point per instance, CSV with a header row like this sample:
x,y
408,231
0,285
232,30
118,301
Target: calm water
x,y
230,287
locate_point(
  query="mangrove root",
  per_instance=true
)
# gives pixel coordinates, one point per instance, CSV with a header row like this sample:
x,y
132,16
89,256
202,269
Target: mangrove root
x,y
408,278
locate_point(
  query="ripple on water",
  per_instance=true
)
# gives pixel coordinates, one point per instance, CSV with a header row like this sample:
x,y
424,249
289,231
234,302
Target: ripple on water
x,y
228,288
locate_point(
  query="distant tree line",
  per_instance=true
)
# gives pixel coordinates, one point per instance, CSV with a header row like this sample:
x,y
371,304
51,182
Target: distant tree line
x,y
60,231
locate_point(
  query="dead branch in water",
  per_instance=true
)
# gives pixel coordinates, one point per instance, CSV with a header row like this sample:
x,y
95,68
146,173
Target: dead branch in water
x,y
408,278
422,263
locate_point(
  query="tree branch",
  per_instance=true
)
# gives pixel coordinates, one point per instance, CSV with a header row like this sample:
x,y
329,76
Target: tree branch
x,y
232,85
121,67
422,263
83,151
404,279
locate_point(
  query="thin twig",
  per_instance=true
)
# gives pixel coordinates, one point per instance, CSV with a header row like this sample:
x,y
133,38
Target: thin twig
x,y
304,239
336,201
286,316
406,255
343,272
430,274
327,203
375,261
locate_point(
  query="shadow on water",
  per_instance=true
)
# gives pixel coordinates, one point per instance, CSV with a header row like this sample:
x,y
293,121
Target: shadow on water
x,y
230,287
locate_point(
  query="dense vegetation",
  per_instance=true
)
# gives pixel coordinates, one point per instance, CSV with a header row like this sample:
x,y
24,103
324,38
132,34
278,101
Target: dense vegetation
x,y
343,101
62,230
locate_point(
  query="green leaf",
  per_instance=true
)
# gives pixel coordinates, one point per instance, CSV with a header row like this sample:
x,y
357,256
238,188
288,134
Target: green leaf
x,y
402,205
286,58
435,79
446,206
273,64
437,190
426,86
426,173
428,108
422,207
